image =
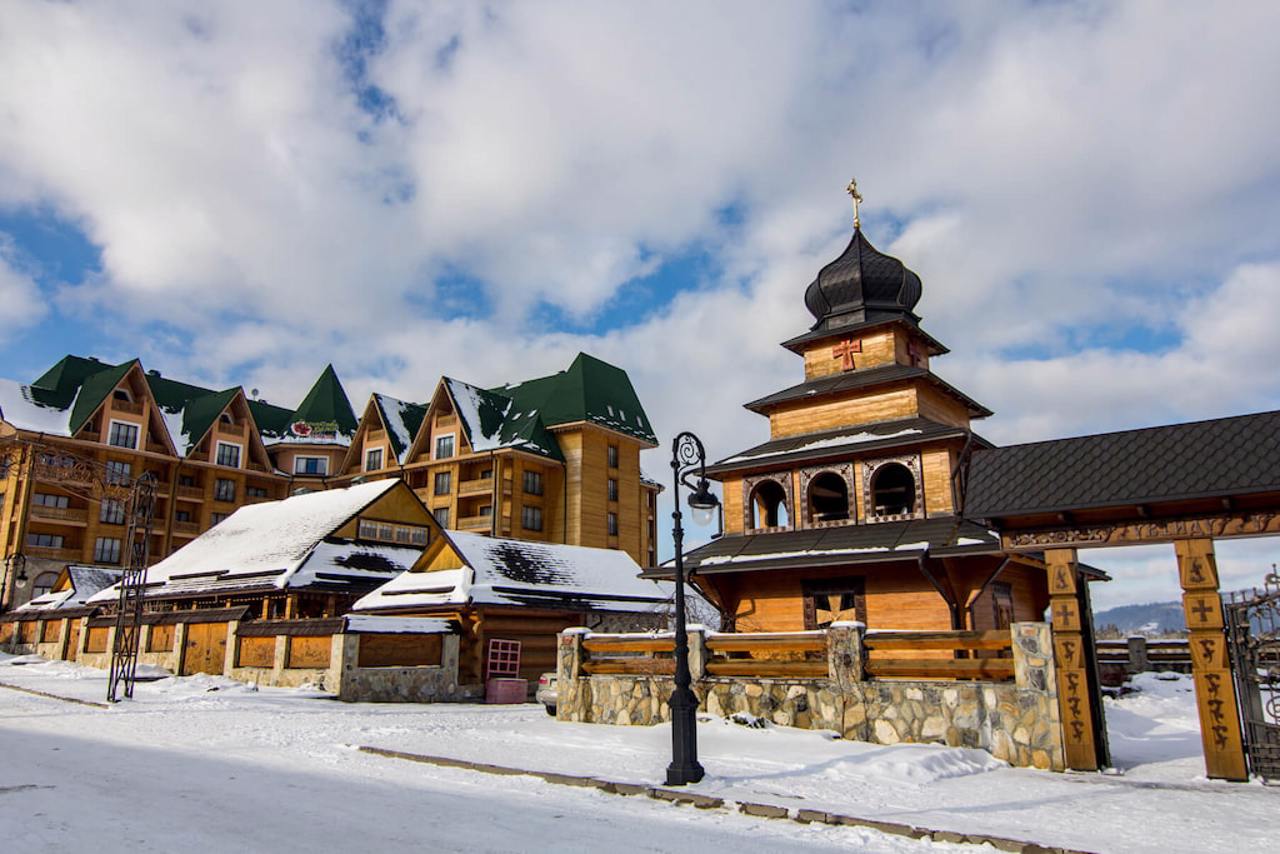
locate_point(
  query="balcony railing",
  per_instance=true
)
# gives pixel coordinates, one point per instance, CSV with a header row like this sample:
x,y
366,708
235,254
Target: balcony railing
x,y
475,523
186,529
61,514
191,493
156,448
258,467
129,406
231,429
52,553
478,486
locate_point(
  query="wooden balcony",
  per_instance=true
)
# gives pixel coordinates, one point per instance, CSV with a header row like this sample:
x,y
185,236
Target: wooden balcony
x,y
129,406
258,467
257,499
70,515
231,429
186,529
475,523
156,448
52,553
478,486
190,493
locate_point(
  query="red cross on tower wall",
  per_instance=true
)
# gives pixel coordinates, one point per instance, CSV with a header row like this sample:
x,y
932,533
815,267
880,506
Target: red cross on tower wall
x,y
845,350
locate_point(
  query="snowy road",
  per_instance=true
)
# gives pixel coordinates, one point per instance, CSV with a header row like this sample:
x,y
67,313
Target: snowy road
x,y
234,769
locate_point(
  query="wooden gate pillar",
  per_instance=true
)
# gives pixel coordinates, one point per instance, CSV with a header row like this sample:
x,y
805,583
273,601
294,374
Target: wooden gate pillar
x,y
1069,657
1210,663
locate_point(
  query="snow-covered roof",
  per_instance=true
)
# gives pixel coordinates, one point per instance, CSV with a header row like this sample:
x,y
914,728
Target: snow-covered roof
x,y
281,544
399,415
18,406
370,624
517,572
85,581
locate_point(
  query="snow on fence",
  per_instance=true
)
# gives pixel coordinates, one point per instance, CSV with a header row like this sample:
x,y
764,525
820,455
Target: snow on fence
x,y
994,690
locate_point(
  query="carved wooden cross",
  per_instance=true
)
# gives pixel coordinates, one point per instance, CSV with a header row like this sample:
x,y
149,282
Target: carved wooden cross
x,y
1065,613
829,610
844,352
1202,611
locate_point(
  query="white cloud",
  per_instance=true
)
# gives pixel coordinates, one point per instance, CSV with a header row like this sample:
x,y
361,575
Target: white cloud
x,y
21,303
1062,175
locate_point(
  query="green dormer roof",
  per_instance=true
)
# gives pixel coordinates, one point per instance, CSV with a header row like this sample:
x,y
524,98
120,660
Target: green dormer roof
x,y
590,390
93,390
492,420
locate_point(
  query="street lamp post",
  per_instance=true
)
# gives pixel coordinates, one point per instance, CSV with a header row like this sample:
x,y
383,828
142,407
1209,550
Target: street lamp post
x,y
15,565
687,456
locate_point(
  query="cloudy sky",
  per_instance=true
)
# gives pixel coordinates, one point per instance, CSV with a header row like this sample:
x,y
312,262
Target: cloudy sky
x,y
241,192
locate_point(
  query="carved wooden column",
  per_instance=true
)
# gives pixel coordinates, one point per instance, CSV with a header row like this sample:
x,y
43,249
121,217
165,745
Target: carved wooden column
x,y
1069,659
1210,664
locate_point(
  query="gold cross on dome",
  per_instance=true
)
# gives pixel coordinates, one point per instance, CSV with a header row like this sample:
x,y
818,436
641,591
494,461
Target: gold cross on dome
x,y
852,190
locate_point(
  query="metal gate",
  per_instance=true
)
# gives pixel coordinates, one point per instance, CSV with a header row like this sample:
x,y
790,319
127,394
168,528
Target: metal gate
x,y
1253,635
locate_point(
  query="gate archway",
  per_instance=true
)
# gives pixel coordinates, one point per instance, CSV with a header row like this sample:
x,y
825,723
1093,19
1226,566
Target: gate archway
x,y
1184,484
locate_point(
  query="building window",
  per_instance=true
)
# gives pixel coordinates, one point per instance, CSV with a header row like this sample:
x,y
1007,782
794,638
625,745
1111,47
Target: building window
x,y
122,395
44,499
532,482
111,512
768,505
182,516
123,435
833,601
613,456
389,533
106,550
118,472
373,459
442,516
186,480
224,490
893,490
1002,604
613,489
45,541
311,465
531,518
828,498
228,455
444,446
216,518
444,480
225,418
43,584
612,519
255,492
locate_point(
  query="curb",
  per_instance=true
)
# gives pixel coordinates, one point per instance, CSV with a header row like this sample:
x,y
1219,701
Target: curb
x,y
706,802
49,696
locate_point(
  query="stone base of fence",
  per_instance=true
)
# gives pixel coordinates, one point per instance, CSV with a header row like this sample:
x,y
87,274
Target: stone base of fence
x,y
1016,721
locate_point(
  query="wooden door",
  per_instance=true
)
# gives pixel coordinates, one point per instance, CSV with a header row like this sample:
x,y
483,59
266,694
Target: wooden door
x,y
73,640
206,649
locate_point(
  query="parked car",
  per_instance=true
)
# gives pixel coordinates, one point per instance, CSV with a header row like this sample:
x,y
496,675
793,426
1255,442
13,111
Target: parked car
x,y
546,694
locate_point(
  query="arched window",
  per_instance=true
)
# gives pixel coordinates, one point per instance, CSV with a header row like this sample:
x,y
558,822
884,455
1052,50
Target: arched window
x,y
226,418
769,505
893,490
43,584
828,498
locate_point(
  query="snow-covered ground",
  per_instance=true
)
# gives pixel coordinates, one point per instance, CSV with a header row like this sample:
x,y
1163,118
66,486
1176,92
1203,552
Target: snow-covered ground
x,y
206,762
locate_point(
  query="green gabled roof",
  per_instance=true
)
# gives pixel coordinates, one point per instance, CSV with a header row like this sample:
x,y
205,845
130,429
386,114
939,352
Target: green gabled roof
x,y
402,420
93,390
590,390
327,403
200,413
272,420
60,383
492,420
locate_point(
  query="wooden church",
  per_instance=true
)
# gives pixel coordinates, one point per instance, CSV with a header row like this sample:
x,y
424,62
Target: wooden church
x,y
850,510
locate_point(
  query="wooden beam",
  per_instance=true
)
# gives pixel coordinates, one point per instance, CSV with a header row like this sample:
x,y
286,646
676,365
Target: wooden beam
x,y
1220,731
1216,526
1069,652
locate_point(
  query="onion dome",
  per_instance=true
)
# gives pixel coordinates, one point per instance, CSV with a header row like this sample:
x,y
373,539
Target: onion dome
x,y
863,285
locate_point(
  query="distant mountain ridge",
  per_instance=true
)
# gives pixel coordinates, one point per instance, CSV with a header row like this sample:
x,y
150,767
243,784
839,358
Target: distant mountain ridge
x,y
1153,617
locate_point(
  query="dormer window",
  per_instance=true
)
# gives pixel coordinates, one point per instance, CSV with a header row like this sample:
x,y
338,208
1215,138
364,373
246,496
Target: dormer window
x,y
122,434
228,455
225,418
444,446
373,459
123,395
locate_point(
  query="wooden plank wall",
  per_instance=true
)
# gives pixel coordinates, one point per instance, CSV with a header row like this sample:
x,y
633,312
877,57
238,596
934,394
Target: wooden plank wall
x,y
96,640
160,638
309,651
399,650
256,651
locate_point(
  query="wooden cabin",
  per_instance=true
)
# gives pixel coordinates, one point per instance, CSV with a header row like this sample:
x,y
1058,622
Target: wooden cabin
x,y
851,509
503,591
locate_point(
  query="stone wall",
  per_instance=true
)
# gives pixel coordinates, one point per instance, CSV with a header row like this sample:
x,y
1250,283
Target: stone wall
x,y
422,684
1017,722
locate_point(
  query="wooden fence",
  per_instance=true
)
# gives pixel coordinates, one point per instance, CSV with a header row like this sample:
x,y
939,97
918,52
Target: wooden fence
x,y
985,656
1120,659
